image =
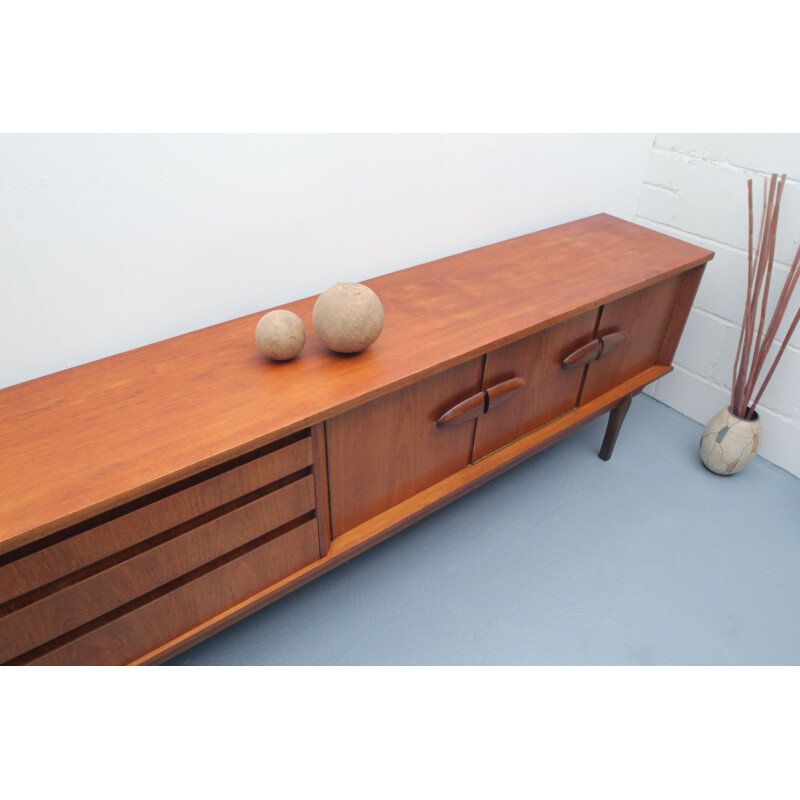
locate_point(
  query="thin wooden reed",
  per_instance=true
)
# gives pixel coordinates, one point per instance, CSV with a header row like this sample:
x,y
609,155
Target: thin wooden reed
x,y
758,329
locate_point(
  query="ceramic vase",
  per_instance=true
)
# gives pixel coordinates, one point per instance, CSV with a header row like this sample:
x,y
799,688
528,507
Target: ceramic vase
x,y
730,443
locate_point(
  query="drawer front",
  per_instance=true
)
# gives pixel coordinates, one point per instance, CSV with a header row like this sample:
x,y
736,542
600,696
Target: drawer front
x,y
104,592
135,633
186,503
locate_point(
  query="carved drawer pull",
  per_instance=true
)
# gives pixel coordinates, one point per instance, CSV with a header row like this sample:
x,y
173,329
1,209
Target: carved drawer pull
x,y
501,392
462,412
611,341
583,355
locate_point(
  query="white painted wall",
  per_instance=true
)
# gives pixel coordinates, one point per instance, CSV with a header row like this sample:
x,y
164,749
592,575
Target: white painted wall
x,y
109,242
696,189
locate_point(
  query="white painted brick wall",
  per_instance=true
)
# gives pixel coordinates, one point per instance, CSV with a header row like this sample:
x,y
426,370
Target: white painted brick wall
x,y
696,189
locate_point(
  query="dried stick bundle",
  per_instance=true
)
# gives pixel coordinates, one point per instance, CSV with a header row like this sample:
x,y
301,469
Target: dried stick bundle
x,y
757,332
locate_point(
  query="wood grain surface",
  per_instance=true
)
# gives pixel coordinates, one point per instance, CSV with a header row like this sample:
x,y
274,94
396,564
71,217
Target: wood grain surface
x,y
100,593
549,390
82,441
689,287
391,448
123,639
645,316
320,449
76,550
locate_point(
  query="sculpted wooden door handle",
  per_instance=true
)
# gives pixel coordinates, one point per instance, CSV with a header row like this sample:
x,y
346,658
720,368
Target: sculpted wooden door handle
x,y
462,412
501,392
595,350
611,341
481,402
583,355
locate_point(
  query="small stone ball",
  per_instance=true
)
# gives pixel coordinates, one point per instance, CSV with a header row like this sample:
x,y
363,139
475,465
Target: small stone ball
x,y
280,335
348,317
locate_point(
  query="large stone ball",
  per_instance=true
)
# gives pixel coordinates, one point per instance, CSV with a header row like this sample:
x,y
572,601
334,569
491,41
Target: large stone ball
x,y
348,317
280,335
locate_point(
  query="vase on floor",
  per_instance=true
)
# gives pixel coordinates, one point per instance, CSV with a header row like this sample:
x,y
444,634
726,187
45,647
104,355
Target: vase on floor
x,y
729,443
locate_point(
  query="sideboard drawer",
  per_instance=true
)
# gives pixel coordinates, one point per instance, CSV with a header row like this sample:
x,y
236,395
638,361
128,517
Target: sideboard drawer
x,y
185,503
104,592
187,605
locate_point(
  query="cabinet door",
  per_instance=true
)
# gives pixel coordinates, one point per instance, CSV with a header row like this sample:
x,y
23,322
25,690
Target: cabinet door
x,y
387,450
645,316
547,390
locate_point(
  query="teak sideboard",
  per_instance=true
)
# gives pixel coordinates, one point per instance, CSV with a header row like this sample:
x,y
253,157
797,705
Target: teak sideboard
x,y
151,498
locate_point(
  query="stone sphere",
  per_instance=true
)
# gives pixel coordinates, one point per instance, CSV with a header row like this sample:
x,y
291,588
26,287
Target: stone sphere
x,y
280,335
348,317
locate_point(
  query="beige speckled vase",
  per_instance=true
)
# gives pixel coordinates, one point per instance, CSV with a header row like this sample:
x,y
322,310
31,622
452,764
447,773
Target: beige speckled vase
x,y
730,443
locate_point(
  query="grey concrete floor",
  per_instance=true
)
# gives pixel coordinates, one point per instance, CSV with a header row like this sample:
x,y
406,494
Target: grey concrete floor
x,y
564,560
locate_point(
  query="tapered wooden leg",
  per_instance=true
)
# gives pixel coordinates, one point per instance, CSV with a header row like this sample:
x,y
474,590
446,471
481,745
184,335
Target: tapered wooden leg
x,y
615,419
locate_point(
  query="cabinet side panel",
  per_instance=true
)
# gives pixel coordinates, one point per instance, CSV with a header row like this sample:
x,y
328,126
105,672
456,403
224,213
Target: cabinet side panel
x,y
645,316
320,451
389,449
689,287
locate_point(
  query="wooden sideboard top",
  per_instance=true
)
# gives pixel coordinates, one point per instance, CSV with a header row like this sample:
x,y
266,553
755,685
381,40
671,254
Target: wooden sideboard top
x,y
79,442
